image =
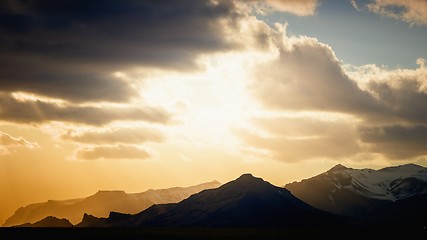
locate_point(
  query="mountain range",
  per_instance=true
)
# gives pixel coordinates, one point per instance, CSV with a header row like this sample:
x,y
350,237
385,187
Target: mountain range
x,y
338,198
389,192
245,202
102,203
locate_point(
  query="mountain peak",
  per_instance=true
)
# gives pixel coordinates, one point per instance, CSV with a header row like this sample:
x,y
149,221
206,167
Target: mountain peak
x,y
247,182
338,167
247,177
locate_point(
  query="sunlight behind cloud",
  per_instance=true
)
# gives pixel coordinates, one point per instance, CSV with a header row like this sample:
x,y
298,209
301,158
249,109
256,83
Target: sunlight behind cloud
x,y
209,103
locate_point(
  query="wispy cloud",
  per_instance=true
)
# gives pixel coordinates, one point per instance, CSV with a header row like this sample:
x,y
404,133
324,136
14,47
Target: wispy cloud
x,y
413,12
8,142
297,7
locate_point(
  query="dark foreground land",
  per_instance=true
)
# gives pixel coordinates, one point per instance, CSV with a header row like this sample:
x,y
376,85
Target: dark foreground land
x,y
396,231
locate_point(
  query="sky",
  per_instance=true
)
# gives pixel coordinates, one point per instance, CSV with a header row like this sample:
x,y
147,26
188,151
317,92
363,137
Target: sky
x,y
137,95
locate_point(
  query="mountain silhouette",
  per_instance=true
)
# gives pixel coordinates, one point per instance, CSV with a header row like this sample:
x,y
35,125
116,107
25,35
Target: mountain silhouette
x,y
102,203
245,202
391,203
399,191
48,222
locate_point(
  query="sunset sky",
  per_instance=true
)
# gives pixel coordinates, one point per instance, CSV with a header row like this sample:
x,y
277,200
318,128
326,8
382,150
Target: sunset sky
x,y
132,95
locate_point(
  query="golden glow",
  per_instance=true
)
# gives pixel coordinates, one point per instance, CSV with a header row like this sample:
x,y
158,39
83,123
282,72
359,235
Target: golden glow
x,y
210,103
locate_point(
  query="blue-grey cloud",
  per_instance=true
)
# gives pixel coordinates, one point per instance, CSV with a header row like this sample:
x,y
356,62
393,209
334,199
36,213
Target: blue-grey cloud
x,y
396,141
403,98
413,12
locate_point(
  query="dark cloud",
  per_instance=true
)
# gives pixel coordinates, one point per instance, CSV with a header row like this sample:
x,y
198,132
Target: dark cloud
x,y
63,82
14,110
66,48
396,142
121,135
111,152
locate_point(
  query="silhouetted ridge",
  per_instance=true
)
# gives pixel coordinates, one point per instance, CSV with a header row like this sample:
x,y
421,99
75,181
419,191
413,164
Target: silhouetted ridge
x,y
247,201
49,222
115,216
91,221
102,203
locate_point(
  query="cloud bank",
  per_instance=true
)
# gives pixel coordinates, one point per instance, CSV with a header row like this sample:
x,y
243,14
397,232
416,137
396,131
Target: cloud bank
x,y
386,108
26,111
67,49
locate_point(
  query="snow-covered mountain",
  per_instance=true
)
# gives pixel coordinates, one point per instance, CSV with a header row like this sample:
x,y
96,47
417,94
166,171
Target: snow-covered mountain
x,y
102,203
392,183
364,192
